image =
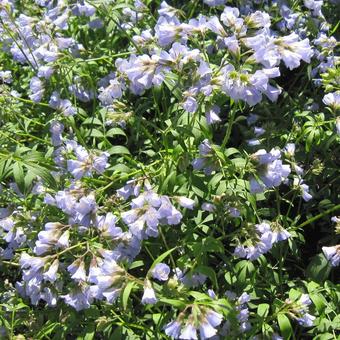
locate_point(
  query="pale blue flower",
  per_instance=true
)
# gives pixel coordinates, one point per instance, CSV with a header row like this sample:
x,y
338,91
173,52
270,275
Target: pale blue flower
x,y
212,3
173,329
83,8
190,105
79,299
332,254
45,71
161,271
37,89
206,330
149,296
77,270
332,100
6,76
189,332
212,115
186,202
56,130
307,320
51,273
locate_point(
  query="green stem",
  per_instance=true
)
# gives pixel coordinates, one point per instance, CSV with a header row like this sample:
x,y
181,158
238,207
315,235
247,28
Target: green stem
x,y
230,125
317,217
167,248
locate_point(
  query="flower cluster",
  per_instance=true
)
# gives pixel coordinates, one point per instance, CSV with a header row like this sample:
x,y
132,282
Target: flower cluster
x,y
262,238
200,319
298,310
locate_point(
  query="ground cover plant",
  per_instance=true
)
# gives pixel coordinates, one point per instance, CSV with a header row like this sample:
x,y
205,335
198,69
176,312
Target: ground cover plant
x,y
169,169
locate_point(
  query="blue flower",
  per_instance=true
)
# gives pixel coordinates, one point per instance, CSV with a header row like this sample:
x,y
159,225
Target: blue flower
x,y
173,329
149,296
161,272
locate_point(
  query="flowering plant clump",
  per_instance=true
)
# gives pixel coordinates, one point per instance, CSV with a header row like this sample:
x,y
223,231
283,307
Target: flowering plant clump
x,y
169,170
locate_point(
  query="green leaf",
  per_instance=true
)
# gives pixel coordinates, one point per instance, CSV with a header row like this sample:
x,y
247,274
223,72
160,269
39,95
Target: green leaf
x,y
118,150
5,168
43,173
92,120
136,264
96,133
172,302
263,310
126,293
325,336
47,329
18,174
285,326
199,296
88,333
318,269
115,131
319,301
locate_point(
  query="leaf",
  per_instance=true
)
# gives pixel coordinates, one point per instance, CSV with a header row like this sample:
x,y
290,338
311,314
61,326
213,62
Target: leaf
x,y
294,294
96,133
172,302
231,151
5,168
126,293
285,326
18,174
48,328
319,301
325,336
318,269
115,131
136,264
117,334
43,173
263,309
88,333
118,150
199,296
92,120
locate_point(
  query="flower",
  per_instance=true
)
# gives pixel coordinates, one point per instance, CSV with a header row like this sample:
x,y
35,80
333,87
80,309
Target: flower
x,y
241,85
212,3
79,298
205,160
37,89
306,320
56,130
6,76
161,271
208,207
77,269
333,100
266,235
186,202
173,329
211,115
272,171
332,254
189,332
190,105
51,274
149,296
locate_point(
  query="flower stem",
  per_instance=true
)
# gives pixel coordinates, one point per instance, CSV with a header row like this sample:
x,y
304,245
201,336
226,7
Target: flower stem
x,y
317,217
